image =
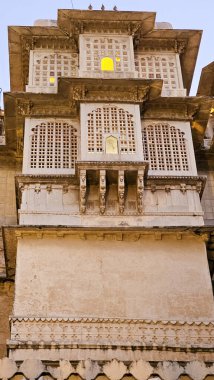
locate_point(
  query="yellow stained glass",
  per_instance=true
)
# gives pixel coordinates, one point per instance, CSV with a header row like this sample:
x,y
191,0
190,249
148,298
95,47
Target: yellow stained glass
x,y
117,59
107,64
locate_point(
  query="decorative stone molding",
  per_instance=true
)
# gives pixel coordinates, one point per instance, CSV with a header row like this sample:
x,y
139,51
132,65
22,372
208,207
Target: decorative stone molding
x,y
63,371
141,370
169,370
24,107
7,368
113,370
32,368
108,332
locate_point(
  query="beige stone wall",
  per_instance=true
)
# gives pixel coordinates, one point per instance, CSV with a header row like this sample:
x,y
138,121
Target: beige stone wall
x,y
6,303
165,279
7,216
208,198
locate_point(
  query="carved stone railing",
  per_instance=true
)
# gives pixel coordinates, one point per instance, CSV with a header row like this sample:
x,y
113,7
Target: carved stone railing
x,y
110,370
108,332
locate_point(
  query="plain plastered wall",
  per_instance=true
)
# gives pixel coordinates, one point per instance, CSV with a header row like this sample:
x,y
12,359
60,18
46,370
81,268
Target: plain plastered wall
x,y
158,279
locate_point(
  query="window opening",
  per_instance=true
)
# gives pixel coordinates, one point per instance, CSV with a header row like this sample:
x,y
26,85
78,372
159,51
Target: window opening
x,y
111,120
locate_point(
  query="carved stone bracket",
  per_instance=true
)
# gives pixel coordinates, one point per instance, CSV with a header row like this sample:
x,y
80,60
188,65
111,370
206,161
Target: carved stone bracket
x,y
24,108
102,191
183,188
140,190
121,191
180,46
82,191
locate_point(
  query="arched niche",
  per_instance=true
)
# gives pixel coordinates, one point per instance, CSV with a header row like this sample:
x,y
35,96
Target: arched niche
x,y
111,145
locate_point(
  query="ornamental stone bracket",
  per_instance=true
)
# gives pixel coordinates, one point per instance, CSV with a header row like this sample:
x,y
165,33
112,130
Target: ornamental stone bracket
x,y
112,370
103,175
121,191
102,191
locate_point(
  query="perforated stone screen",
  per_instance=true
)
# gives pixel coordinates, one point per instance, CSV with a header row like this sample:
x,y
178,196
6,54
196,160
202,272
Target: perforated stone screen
x,y
94,49
165,148
46,67
159,66
111,120
50,146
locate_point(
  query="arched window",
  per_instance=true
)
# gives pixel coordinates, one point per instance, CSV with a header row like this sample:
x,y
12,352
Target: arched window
x,y
114,122
165,148
53,145
107,64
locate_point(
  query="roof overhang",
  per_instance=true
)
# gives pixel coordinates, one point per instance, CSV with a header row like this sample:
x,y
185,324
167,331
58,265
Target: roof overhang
x,y
75,21
206,84
184,42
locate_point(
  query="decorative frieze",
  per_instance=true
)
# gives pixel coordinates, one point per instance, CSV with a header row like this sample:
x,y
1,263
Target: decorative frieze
x,y
118,332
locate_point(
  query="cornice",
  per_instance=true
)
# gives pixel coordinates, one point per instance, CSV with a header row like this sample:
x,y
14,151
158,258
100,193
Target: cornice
x,y
11,233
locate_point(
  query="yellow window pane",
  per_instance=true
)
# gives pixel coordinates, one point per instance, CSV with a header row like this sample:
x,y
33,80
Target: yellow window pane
x,y
51,80
107,64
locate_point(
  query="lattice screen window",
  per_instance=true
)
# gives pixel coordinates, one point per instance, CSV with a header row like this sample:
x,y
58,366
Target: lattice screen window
x,y
111,120
48,66
165,148
53,145
97,48
158,67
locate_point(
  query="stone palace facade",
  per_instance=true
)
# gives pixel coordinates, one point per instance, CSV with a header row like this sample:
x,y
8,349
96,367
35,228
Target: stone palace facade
x,y
106,202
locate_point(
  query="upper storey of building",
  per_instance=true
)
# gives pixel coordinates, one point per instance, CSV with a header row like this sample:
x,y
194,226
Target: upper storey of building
x,y
102,44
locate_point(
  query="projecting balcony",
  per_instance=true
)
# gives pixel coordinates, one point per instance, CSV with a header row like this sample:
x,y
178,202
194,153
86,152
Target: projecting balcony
x,y
110,194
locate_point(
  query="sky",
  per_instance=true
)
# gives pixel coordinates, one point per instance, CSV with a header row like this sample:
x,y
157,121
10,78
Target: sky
x,y
182,14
